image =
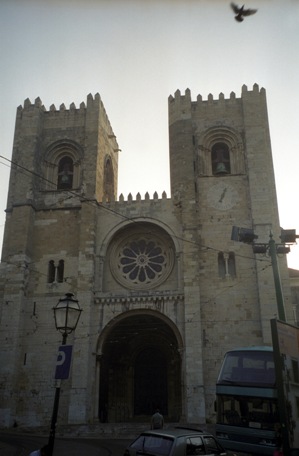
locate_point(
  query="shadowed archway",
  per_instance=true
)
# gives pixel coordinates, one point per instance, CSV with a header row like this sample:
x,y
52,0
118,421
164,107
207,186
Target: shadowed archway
x,y
140,369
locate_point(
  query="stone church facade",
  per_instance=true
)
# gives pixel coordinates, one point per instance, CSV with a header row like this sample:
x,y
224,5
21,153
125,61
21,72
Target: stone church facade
x,y
164,290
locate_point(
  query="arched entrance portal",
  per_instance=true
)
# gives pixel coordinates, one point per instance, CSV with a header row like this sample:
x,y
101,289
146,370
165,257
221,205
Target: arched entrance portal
x,y
140,370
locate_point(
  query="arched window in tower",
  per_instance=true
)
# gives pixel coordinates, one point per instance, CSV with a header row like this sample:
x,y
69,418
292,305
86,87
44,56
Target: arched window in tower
x,y
226,265
55,273
51,271
220,159
65,173
108,181
231,264
60,271
221,265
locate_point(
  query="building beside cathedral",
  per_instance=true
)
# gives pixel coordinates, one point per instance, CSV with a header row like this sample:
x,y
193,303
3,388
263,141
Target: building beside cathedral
x,y
165,291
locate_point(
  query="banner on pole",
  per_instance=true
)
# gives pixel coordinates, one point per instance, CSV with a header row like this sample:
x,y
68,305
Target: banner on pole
x,y
63,363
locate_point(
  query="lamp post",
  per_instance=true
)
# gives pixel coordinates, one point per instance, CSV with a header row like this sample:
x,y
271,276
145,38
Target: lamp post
x,y
66,314
287,237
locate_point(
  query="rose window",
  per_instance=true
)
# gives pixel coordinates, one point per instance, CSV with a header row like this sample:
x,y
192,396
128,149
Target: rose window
x,y
141,261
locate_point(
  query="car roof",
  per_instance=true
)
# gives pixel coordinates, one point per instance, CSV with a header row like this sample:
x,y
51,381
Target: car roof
x,y
263,348
175,432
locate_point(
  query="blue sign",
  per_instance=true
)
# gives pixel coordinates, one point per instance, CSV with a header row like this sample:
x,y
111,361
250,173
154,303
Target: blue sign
x,y
63,363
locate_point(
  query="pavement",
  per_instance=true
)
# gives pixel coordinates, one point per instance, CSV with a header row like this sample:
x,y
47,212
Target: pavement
x,y
71,442
99,440
6,449
70,447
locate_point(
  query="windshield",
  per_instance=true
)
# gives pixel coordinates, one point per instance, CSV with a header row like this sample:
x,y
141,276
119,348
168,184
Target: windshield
x,y
252,412
254,368
153,445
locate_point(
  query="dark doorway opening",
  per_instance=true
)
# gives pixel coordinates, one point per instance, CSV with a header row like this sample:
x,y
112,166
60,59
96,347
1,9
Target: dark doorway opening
x,y
140,370
150,382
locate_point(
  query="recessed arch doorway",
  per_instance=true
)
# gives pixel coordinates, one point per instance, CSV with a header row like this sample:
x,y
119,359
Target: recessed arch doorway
x,y
140,369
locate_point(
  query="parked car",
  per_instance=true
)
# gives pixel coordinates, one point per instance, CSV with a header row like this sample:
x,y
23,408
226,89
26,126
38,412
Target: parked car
x,y
175,442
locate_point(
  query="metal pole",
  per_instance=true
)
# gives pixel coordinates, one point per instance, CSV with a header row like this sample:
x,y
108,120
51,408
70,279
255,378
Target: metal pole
x,y
279,364
55,410
279,369
54,419
277,282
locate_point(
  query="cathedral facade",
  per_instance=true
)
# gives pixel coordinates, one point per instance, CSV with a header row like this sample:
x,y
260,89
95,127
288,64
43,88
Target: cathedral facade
x,y
165,291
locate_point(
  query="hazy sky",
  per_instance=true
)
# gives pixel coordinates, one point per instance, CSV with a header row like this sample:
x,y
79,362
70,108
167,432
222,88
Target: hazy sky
x,y
136,54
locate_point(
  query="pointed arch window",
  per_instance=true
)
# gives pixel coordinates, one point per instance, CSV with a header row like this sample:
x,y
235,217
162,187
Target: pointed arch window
x,y
65,173
220,159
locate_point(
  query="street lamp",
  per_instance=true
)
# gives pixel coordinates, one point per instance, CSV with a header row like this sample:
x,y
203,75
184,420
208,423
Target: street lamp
x,y
66,314
248,236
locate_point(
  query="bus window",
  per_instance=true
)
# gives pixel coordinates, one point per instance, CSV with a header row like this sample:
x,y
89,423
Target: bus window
x,y
248,368
259,413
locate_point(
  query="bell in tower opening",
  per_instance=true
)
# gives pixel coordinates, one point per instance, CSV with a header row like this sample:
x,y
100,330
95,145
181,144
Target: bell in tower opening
x,y
220,159
65,173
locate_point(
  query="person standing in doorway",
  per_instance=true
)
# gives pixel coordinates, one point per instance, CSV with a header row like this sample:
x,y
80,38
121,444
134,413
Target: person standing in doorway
x,y
157,421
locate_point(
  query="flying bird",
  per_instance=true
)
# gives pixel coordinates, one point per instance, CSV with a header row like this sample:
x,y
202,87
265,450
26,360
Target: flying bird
x,y
240,12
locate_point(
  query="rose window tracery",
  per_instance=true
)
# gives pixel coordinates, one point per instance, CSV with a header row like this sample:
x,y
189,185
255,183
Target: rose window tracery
x,y
141,261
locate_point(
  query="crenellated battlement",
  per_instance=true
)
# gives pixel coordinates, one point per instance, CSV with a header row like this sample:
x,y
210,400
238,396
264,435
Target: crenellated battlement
x,y
146,197
138,198
93,107
154,207
92,102
182,107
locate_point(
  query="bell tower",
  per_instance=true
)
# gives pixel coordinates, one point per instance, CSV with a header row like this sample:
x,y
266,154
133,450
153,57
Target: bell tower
x,y
64,164
222,175
60,157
